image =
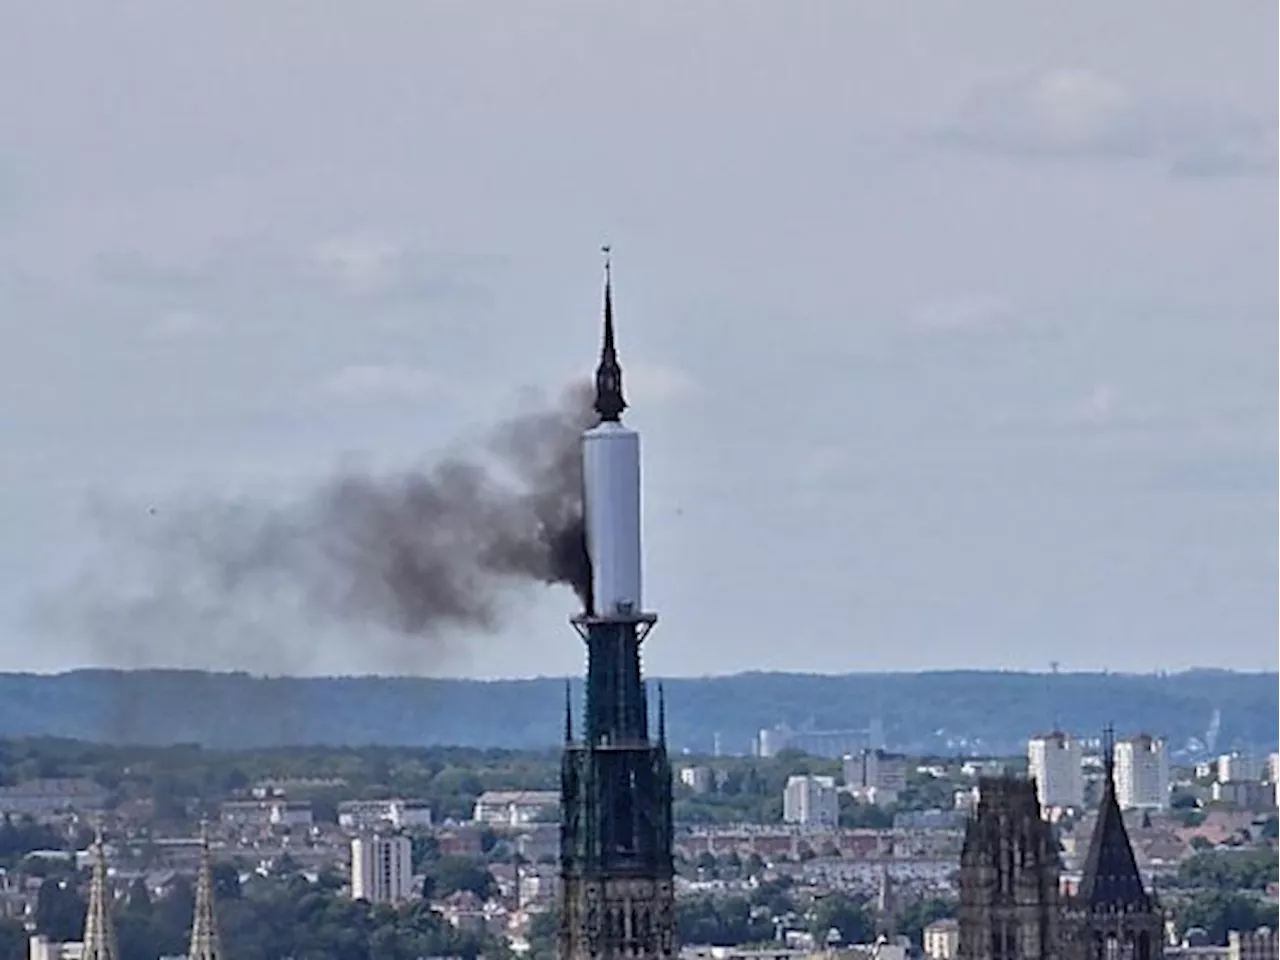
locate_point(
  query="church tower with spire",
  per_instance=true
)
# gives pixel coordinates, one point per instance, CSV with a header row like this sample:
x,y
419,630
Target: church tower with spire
x,y
615,779
205,943
99,929
1112,915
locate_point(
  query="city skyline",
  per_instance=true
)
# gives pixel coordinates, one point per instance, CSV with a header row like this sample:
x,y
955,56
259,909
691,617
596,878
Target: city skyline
x,y
951,343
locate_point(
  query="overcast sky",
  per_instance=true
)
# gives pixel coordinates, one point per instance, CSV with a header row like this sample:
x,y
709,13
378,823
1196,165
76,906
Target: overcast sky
x,y
951,329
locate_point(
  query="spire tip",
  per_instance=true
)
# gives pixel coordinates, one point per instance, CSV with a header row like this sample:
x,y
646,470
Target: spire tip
x,y
609,400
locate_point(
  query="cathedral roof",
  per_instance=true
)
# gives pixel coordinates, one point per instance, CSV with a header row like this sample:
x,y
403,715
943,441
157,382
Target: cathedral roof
x,y
1111,880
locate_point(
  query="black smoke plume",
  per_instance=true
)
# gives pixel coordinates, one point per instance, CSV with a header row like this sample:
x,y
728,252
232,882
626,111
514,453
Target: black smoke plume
x,y
416,553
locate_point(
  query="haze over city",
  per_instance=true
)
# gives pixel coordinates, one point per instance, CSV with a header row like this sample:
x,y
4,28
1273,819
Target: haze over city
x,y
951,339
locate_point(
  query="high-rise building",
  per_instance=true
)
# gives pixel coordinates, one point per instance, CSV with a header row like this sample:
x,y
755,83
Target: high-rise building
x,y
811,801
1238,766
1009,874
615,782
1054,762
1141,770
875,776
1111,914
382,869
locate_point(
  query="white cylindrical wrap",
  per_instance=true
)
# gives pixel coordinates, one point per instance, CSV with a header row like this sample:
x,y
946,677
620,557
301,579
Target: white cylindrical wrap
x,y
611,476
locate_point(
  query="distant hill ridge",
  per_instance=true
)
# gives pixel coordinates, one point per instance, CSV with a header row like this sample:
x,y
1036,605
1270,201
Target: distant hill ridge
x,y
934,712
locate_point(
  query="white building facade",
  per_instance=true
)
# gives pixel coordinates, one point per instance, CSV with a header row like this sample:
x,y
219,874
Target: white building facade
x,y
374,814
1238,766
382,869
514,808
1142,773
942,939
1054,761
811,801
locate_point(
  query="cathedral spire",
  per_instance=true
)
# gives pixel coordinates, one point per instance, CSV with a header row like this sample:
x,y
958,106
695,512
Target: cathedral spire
x,y
1110,880
609,401
99,931
205,943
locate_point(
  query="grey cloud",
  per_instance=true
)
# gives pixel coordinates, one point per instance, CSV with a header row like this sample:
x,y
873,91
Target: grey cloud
x,y
1080,114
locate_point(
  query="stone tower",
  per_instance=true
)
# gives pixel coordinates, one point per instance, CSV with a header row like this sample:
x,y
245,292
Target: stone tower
x,y
615,782
1009,874
205,943
99,930
1112,916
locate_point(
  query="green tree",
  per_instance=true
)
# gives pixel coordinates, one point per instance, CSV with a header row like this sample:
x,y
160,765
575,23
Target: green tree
x,y
452,873
13,940
842,913
918,915
866,815
60,911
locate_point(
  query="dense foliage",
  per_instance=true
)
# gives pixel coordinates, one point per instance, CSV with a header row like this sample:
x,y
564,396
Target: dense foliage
x,y
265,919
922,712
1229,869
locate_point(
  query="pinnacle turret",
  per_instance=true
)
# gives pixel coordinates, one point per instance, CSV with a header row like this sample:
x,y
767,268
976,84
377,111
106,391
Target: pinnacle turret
x,y
205,944
609,400
99,931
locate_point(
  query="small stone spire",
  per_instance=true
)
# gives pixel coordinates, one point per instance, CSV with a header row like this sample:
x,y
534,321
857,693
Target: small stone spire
x,y
886,907
99,931
609,401
205,943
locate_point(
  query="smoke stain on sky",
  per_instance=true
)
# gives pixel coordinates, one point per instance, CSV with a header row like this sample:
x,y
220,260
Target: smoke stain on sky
x,y
399,566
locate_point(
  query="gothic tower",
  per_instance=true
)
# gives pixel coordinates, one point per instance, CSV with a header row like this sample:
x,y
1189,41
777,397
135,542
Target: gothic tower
x,y
615,781
1009,871
205,944
1112,916
99,930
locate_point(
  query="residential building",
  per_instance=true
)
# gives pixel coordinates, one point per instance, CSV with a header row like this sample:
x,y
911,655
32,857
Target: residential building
x,y
516,807
1141,773
811,801
382,869
1245,794
1054,762
942,939
376,814
266,813
874,776
41,947
1258,945
698,779
1238,766
989,767
821,743
50,797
